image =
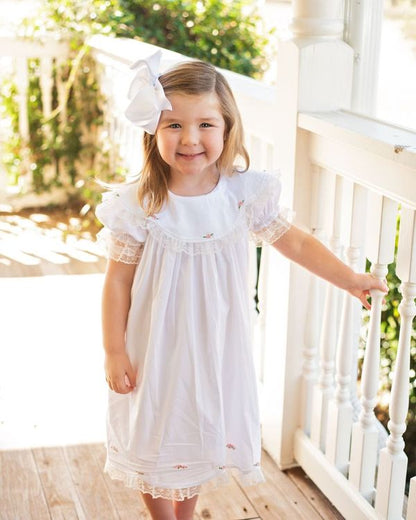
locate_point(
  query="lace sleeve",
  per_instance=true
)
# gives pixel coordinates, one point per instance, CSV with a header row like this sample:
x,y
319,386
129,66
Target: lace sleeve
x,y
121,247
266,219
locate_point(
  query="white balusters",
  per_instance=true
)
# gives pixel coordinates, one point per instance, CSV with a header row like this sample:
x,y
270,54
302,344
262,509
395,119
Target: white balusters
x,y
46,85
61,90
323,391
313,321
340,411
393,461
22,81
381,239
411,504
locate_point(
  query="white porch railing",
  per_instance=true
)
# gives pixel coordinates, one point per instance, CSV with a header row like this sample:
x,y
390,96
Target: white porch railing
x,y
345,176
15,54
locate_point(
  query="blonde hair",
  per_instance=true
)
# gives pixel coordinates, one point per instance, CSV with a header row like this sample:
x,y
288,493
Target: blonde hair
x,y
192,78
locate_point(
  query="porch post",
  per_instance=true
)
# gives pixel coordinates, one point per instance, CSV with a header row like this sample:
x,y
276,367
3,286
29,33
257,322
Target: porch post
x,y
363,22
314,74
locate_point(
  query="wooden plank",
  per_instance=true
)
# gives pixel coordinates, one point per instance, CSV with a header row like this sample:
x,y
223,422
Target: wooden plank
x,y
227,502
88,479
22,495
18,256
279,497
126,501
58,487
313,494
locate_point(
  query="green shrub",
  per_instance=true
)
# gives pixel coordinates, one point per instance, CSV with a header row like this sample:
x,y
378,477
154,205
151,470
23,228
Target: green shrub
x,y
229,34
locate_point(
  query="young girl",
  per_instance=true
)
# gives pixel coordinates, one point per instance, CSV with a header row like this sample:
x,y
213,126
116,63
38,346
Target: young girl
x,y
183,405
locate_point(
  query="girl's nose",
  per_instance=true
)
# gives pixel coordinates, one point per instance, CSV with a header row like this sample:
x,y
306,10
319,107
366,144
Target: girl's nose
x,y
190,136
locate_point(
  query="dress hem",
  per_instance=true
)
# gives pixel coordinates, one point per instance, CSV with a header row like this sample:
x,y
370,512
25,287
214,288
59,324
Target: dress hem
x,y
134,481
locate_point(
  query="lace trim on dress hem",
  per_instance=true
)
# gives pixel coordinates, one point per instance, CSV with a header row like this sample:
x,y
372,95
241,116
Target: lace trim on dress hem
x,y
136,482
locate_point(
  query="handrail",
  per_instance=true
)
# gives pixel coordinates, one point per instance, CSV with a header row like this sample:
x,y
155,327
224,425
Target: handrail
x,y
376,154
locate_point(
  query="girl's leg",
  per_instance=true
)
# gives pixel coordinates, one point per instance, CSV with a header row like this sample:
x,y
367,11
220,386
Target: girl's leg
x,y
184,509
159,508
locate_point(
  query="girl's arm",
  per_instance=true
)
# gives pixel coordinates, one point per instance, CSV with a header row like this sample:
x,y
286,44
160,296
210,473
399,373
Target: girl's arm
x,y
115,307
310,253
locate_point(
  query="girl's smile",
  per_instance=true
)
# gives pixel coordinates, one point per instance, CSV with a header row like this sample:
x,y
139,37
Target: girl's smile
x,y
190,139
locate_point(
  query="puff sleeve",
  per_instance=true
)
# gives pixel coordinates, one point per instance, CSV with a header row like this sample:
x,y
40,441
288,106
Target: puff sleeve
x,y
266,219
124,231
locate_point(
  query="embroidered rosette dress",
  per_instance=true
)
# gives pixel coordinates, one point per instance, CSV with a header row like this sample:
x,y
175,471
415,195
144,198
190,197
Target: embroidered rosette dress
x,y
194,413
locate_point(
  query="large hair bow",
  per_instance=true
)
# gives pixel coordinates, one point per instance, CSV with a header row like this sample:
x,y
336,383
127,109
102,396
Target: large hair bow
x,y
147,98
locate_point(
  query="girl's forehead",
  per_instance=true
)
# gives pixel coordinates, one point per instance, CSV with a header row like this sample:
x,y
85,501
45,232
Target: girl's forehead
x,y
208,100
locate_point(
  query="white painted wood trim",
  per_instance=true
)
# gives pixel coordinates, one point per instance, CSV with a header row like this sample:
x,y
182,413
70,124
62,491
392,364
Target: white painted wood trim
x,y
389,141
411,504
343,495
362,150
50,46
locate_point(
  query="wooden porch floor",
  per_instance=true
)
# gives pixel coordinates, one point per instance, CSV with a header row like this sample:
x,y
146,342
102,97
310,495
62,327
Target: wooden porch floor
x,y
68,483
42,402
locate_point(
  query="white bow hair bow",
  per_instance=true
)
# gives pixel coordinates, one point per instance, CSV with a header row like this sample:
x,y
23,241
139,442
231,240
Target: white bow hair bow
x,y
146,95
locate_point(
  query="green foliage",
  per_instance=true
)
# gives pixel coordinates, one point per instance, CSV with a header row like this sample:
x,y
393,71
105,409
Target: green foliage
x,y
226,33
75,20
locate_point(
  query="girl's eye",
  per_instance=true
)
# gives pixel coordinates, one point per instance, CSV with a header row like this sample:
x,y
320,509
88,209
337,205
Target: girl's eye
x,y
174,125
205,125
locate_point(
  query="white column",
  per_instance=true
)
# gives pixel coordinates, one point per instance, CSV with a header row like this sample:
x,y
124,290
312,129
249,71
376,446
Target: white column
x,y
393,461
318,18
340,409
381,234
323,391
363,33
314,73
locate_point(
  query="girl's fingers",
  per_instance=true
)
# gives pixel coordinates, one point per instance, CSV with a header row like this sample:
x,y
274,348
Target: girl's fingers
x,y
120,385
130,377
365,302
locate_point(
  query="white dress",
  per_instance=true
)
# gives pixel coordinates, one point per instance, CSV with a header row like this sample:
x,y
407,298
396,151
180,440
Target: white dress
x,y
194,412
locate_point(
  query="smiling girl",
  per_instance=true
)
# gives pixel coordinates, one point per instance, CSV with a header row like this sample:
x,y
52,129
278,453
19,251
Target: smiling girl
x,y
183,407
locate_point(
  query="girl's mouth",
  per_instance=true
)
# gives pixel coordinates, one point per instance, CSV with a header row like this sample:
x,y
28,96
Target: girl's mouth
x,y
190,156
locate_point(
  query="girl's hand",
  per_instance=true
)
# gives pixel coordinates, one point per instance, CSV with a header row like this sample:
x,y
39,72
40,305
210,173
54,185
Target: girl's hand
x,y
119,373
363,284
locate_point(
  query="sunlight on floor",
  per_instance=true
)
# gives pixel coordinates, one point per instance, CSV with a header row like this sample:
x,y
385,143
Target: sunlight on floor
x,y
52,388
28,240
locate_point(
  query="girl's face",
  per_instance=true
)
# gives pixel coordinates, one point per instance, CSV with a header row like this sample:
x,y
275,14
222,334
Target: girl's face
x,y
190,137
